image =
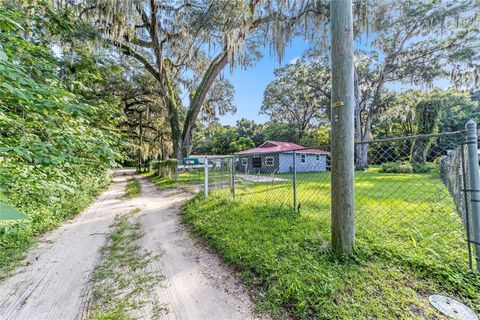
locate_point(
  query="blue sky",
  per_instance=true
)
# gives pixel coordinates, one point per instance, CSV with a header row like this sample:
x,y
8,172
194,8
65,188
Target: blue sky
x,y
249,84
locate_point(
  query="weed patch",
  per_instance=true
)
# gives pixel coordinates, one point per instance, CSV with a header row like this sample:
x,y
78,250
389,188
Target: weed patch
x,y
184,179
122,283
132,189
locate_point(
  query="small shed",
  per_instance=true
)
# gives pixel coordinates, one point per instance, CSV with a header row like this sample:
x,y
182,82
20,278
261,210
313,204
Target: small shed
x,y
278,157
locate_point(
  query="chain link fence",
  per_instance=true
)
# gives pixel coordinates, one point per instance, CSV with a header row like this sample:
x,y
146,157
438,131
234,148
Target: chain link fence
x,y
412,194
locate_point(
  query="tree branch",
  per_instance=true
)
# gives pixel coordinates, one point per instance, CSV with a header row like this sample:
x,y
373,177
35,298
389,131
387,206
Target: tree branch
x,y
129,51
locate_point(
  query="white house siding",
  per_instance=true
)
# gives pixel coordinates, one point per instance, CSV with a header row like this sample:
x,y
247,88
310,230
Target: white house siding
x,y
310,165
283,163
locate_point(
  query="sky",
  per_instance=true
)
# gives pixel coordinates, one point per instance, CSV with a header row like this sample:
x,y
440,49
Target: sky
x,y
250,84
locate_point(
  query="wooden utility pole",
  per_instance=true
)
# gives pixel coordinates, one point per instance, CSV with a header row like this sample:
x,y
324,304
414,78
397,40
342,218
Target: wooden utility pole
x,y
342,206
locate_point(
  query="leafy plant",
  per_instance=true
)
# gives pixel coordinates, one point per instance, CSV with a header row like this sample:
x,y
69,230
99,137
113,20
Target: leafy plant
x,y
57,142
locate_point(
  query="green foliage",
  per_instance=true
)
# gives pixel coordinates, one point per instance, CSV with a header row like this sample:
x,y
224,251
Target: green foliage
x,y
218,139
427,113
250,129
243,143
57,142
47,197
165,168
453,106
406,167
423,167
396,167
278,131
316,137
299,94
399,118
287,260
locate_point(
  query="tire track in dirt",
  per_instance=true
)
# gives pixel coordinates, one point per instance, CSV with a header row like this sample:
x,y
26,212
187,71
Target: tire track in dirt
x,y
196,285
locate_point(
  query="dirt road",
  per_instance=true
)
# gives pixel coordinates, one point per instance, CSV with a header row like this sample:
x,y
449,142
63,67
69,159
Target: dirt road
x,y
55,281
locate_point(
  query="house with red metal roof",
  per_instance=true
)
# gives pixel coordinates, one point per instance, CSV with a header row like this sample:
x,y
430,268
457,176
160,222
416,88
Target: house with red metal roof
x,y
282,157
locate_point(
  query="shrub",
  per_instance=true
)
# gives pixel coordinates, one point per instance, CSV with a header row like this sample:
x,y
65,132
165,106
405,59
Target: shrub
x,y
422,167
396,167
165,168
407,167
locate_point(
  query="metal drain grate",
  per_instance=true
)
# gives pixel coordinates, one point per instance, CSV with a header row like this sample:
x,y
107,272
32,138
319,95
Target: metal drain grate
x,y
452,308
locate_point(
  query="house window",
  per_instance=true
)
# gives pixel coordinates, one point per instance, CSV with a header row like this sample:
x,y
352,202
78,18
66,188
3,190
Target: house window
x,y
244,161
269,161
303,158
317,157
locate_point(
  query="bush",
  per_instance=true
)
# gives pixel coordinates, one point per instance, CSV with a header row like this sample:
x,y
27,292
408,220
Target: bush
x,y
423,167
165,168
406,167
48,195
396,167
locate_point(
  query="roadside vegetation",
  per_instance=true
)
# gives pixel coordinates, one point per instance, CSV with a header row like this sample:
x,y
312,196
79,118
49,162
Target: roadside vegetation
x,y
185,179
132,189
56,148
122,284
286,257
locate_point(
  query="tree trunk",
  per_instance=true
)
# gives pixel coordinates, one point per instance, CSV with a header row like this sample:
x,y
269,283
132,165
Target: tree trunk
x,y
419,151
175,128
196,103
362,133
342,209
361,162
428,116
140,121
173,117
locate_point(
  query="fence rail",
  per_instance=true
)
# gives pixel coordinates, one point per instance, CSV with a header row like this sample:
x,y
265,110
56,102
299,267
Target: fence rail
x,y
413,195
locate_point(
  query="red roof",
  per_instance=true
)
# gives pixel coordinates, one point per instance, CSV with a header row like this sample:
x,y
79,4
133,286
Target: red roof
x,y
279,146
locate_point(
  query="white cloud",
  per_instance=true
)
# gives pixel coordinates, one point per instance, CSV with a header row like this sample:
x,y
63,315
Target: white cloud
x,y
294,60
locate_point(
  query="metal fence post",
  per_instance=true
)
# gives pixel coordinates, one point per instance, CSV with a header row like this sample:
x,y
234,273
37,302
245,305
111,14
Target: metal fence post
x,y
474,186
232,179
176,171
221,173
206,178
294,181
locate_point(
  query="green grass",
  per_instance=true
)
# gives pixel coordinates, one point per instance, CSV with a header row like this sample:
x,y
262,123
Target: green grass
x,y
122,283
132,189
409,244
184,179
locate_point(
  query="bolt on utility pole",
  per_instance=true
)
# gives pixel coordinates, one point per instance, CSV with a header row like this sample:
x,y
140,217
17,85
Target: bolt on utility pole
x,y
474,186
342,206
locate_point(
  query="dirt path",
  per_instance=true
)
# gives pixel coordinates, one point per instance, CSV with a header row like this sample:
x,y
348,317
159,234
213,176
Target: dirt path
x,y
197,285
55,283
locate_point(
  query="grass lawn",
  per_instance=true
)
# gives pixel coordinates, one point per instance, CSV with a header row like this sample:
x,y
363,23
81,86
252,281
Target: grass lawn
x,y
409,244
193,177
